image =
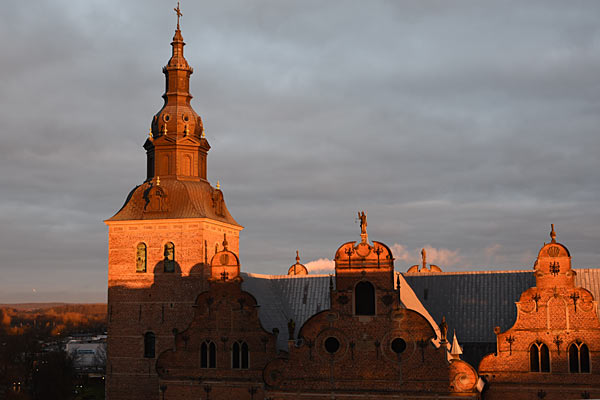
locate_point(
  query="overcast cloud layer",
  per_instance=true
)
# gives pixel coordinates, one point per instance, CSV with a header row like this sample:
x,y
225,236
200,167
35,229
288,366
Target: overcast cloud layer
x,y
465,127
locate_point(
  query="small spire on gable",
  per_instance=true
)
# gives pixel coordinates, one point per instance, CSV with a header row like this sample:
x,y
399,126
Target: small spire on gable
x,y
225,244
297,269
424,258
456,350
553,234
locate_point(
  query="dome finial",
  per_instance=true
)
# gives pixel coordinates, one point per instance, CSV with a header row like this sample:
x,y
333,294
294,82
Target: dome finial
x,y
179,14
553,234
218,185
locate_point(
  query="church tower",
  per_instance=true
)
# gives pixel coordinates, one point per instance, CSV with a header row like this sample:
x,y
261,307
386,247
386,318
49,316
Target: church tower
x,y
161,240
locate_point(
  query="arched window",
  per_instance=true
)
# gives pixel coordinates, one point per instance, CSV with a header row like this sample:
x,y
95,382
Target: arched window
x,y
364,298
239,355
579,358
140,258
539,358
169,260
149,344
208,355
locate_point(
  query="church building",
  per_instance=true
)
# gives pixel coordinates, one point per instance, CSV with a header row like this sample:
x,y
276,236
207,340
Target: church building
x,y
185,321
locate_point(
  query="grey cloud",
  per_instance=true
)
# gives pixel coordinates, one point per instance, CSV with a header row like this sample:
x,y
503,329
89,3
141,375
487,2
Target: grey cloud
x,y
458,125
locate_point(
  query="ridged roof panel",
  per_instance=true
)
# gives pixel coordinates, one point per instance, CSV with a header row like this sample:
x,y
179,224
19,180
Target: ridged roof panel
x,y
475,302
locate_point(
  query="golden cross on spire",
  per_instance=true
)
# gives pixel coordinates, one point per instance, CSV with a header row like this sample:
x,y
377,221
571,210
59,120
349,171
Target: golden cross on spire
x,y
179,14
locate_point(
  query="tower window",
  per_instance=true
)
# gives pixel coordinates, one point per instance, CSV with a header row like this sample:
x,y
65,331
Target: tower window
x,y
364,298
149,344
579,358
208,355
140,258
539,358
239,355
169,260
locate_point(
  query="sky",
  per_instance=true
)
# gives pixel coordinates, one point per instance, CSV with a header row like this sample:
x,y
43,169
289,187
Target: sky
x,y
462,127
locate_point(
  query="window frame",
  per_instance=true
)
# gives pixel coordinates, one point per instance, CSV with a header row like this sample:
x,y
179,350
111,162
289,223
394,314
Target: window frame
x,y
137,249
208,355
165,259
149,344
240,352
539,347
356,298
578,345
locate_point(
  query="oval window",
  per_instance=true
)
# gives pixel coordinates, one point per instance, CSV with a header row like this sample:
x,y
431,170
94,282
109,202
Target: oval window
x,y
332,345
398,345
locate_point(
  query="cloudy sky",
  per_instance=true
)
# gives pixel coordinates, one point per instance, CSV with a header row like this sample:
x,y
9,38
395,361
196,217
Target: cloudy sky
x,y
465,127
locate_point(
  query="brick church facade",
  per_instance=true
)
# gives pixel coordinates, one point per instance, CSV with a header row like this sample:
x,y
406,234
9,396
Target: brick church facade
x,y
184,320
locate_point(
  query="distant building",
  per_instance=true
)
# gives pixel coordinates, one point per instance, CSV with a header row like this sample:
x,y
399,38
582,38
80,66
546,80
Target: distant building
x,y
185,322
87,354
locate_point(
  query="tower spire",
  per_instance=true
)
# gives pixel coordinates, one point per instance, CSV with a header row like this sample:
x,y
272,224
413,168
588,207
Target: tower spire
x,y
178,149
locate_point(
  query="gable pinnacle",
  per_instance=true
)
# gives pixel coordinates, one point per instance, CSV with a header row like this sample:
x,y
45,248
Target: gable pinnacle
x,y
297,257
553,234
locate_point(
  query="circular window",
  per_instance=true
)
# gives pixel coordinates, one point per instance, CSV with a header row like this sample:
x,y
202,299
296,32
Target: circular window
x,y
186,118
332,345
166,117
398,345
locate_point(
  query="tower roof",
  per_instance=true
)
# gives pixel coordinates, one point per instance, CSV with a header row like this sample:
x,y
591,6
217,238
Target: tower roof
x,y
174,199
176,147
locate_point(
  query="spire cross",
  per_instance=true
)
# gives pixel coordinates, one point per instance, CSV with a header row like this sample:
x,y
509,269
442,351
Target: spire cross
x,y
179,14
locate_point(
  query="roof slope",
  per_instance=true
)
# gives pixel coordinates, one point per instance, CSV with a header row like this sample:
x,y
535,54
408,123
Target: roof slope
x,y
184,199
299,297
475,302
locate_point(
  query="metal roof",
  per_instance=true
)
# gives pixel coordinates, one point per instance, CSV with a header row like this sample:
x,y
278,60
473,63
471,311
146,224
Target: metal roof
x,y
285,297
299,297
475,302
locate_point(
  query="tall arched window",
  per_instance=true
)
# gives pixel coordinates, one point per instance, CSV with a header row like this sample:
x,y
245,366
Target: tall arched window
x,y
539,358
208,355
579,358
239,355
149,344
364,298
140,258
169,260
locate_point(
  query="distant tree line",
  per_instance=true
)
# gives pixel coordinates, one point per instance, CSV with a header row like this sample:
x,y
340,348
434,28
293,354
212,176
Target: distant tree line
x,y
33,364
